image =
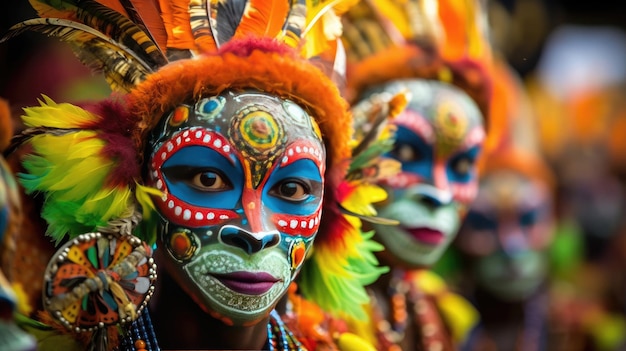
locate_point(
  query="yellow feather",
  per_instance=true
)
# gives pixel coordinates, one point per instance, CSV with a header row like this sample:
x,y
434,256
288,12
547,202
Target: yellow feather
x,y
361,199
116,202
323,24
51,114
396,13
353,342
142,194
77,177
460,315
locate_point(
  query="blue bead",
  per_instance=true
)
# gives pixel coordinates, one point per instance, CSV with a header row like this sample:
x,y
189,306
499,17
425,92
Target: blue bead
x,y
210,106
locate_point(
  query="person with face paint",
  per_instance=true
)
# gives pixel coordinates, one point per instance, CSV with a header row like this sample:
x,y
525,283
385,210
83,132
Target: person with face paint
x,y
11,336
185,205
439,139
506,238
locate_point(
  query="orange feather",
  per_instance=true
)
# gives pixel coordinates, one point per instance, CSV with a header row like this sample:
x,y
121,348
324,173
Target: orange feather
x,y
175,16
262,17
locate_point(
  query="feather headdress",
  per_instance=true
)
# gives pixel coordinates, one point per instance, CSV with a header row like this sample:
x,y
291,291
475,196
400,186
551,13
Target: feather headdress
x,y
387,40
87,160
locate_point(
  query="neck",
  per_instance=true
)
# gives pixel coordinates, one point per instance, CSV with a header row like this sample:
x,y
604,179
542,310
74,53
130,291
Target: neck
x,y
181,324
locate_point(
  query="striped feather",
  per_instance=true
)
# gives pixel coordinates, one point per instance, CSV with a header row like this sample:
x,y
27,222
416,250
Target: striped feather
x,y
119,28
201,25
121,74
146,14
93,48
212,17
295,23
110,21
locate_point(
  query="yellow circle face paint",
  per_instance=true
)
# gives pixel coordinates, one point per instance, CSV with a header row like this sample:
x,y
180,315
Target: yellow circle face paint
x,y
259,129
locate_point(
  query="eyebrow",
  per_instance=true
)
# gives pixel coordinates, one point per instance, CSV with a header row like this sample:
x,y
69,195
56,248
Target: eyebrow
x,y
416,123
474,138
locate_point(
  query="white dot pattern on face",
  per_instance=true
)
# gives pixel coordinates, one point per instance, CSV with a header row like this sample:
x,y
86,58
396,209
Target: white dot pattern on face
x,y
183,212
309,149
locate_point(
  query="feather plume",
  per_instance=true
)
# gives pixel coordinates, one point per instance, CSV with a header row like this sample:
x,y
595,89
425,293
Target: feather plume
x,y
93,48
146,14
175,15
109,21
323,25
337,272
201,28
77,170
263,18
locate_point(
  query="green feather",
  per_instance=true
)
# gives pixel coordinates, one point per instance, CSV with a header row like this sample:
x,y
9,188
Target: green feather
x,y
343,294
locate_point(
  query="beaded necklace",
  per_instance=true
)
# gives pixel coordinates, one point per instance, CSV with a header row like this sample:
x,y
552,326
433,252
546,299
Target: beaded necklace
x,y
429,332
279,337
141,336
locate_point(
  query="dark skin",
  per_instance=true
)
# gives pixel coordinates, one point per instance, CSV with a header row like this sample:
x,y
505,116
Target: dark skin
x,y
181,324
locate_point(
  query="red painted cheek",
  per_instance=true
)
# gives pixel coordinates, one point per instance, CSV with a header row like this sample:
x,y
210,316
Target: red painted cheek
x,y
402,180
465,193
305,226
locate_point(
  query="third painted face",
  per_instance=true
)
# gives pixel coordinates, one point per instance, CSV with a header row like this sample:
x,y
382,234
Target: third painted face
x,y
506,232
243,177
438,140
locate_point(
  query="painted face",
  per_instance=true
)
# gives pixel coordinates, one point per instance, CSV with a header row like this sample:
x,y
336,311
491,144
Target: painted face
x,y
243,177
506,230
8,194
438,140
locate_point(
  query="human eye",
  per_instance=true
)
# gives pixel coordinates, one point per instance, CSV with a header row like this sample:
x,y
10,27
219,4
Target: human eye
x,y
202,179
295,190
404,152
410,147
462,166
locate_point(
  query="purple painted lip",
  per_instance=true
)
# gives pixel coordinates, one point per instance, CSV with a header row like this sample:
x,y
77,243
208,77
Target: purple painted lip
x,y
426,235
247,283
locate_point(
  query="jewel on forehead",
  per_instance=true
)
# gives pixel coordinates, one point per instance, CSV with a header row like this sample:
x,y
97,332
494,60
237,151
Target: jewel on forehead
x,y
180,116
210,108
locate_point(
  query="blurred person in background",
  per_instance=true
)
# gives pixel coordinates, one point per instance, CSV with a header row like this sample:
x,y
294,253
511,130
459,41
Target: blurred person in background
x,y
422,50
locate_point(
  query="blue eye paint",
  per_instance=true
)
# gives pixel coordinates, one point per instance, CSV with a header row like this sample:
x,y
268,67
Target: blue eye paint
x,y
308,173
422,152
470,156
189,161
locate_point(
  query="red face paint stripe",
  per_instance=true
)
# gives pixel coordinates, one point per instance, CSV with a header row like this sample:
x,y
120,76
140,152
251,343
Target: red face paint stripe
x,y
303,149
417,124
402,180
182,213
306,226
192,136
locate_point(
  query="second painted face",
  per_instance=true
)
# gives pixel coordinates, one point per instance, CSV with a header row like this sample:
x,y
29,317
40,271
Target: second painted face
x,y
243,178
438,141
